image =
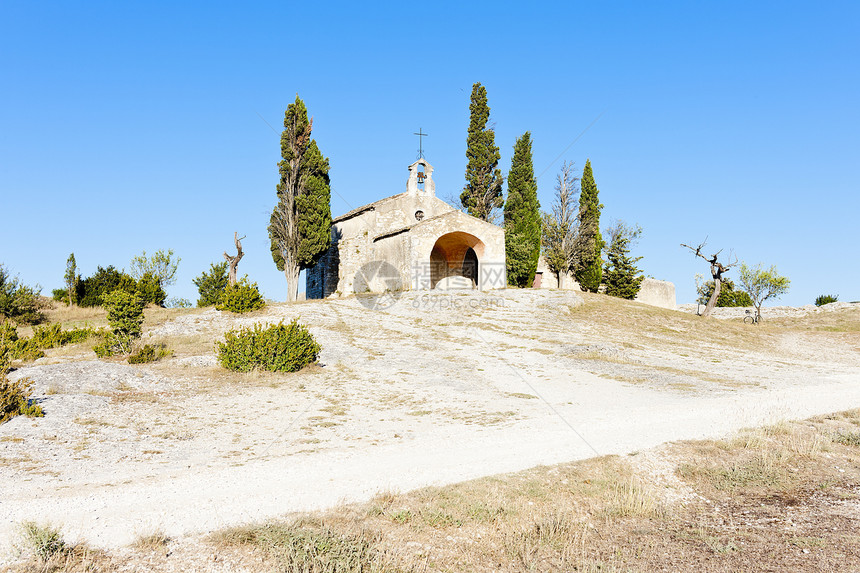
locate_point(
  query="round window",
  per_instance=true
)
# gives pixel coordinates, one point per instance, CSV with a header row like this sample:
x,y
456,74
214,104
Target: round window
x,y
419,215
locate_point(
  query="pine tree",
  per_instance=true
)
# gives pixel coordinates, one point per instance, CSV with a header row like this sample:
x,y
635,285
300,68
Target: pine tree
x,y
212,284
588,266
300,225
522,216
482,195
621,277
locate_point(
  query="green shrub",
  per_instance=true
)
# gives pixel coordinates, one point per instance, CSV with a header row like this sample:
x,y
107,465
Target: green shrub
x,y
125,317
150,353
60,295
244,296
14,401
8,336
18,301
18,348
53,336
91,291
107,347
13,395
150,290
25,349
280,348
728,295
826,299
48,336
211,285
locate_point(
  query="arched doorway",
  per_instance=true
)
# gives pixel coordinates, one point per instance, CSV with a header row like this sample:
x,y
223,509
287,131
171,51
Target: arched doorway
x,y
456,254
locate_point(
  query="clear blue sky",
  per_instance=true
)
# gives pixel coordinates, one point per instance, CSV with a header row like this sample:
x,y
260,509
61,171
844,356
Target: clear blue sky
x,y
126,127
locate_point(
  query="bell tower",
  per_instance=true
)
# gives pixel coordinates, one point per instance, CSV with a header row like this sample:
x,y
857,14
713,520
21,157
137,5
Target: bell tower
x,y
420,182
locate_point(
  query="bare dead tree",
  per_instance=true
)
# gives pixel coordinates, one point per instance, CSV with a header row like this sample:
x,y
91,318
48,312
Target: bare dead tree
x,y
234,261
717,270
560,226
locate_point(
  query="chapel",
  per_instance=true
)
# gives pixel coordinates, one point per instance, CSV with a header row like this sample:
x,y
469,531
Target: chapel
x,y
409,241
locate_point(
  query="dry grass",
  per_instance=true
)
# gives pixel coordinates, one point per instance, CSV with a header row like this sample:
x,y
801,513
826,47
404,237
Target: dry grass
x,y
75,316
156,541
845,320
536,520
621,321
47,552
602,515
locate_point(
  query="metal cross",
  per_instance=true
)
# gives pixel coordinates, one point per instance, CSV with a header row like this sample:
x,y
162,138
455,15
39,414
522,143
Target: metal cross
x,y
420,135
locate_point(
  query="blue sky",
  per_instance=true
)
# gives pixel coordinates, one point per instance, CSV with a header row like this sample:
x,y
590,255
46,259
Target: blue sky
x,y
127,126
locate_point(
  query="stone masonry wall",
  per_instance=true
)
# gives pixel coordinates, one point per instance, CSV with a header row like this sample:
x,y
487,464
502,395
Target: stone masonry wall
x,y
657,293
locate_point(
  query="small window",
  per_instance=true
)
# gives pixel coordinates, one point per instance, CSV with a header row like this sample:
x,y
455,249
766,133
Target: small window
x,y
419,215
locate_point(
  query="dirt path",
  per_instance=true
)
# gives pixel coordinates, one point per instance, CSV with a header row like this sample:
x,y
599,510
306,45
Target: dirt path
x,y
406,396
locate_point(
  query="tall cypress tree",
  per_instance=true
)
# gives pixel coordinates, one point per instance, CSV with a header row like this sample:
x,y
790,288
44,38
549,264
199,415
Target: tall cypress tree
x,y
71,276
522,216
588,267
482,194
300,225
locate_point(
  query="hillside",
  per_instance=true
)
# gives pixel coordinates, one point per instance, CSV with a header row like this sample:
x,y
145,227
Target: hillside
x,y
432,390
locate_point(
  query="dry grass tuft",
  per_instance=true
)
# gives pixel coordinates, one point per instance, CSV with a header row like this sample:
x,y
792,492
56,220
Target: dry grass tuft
x,y
155,541
311,547
51,553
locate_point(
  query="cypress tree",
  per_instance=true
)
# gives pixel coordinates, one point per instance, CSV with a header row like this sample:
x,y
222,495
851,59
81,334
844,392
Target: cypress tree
x,y
300,225
482,194
522,216
589,266
71,277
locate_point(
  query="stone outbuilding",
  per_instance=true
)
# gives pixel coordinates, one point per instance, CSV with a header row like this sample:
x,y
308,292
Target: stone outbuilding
x,y
412,240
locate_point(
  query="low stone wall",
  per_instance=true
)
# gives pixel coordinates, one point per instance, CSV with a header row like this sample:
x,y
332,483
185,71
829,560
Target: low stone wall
x,y
767,312
657,293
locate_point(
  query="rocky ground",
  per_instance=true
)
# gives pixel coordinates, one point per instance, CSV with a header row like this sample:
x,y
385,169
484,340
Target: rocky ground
x,y
410,391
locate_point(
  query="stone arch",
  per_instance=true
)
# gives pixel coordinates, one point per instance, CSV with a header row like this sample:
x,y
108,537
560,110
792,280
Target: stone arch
x,y
456,254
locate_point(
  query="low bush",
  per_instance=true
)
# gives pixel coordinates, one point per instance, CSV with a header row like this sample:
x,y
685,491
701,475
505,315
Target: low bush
x,y
211,284
48,336
18,301
279,348
25,349
52,336
244,296
150,353
826,299
14,399
125,317
16,348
